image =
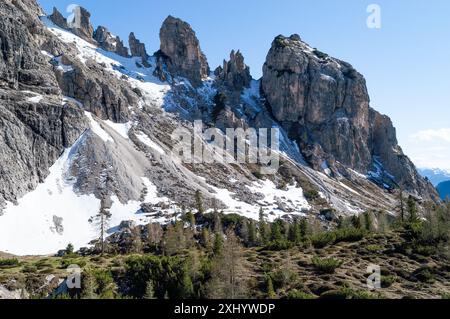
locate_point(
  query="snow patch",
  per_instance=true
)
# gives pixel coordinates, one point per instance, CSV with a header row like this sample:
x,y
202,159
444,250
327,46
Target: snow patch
x,y
97,129
147,141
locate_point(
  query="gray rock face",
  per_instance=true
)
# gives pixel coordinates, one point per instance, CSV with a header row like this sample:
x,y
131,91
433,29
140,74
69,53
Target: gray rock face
x,y
102,94
57,18
324,105
21,63
137,48
121,49
81,25
105,39
32,137
234,74
182,50
318,99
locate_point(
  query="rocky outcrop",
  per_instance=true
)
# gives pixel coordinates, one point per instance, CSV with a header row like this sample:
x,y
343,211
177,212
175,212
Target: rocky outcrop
x,y
81,25
137,48
324,105
181,48
319,100
105,39
234,74
108,42
102,94
121,49
58,19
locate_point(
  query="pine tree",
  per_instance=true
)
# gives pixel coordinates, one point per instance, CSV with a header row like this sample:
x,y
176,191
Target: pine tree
x,y
69,249
217,222
244,231
199,202
402,205
218,244
412,209
368,222
252,237
295,235
89,286
136,240
190,218
103,216
154,234
187,286
206,239
277,227
175,240
270,290
303,228
228,272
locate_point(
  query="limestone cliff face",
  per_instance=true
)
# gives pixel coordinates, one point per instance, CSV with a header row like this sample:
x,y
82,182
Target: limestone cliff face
x,y
180,46
34,125
324,105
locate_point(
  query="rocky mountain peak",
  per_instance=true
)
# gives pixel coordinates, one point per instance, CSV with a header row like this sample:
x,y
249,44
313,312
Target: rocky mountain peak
x,y
324,105
137,48
234,74
180,46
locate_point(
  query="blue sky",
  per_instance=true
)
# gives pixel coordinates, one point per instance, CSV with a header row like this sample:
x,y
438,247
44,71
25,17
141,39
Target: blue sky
x,y
406,63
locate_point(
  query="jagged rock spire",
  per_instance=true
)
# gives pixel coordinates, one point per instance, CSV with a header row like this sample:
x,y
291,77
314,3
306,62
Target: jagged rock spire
x,y
57,18
137,48
234,74
121,49
107,41
181,48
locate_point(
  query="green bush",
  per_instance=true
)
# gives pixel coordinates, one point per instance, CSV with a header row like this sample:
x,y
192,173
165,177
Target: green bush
x,y
311,194
387,281
323,239
280,244
73,261
326,265
9,263
349,235
296,294
29,269
424,274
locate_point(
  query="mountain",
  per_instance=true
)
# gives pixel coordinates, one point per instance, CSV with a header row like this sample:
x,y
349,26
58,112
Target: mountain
x,y
87,124
435,175
444,189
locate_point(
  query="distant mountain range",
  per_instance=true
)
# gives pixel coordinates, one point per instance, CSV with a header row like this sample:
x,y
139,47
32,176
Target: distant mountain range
x,y
444,189
435,175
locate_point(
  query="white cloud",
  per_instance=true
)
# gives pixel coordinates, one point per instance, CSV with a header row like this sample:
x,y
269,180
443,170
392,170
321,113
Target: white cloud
x,y
431,135
429,148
